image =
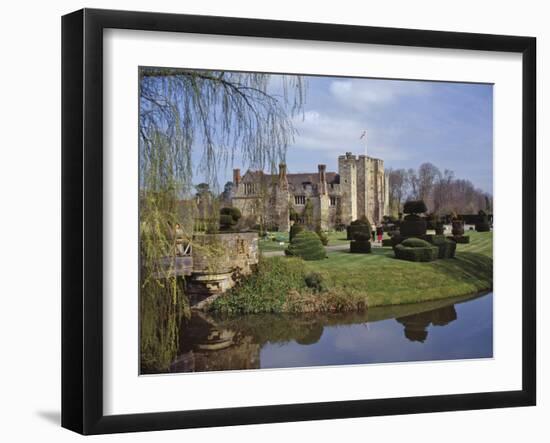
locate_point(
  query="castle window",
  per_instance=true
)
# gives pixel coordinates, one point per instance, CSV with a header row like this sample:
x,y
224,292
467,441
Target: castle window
x,y
249,188
333,201
300,199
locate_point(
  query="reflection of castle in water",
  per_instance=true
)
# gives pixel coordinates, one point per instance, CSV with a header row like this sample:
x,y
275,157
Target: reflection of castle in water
x,y
416,325
218,344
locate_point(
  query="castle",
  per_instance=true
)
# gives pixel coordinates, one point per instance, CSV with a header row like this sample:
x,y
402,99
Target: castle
x,y
328,199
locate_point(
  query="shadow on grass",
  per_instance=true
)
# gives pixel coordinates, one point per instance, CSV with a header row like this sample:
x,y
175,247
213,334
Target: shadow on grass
x,y
472,265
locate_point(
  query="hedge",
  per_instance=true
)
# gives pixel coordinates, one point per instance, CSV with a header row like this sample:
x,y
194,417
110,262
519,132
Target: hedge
x,y
416,254
307,245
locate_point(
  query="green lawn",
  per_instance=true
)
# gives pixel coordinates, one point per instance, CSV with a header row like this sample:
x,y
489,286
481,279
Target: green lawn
x,y
268,245
390,281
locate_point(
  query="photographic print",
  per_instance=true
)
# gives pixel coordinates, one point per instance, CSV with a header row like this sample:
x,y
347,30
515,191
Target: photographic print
x,y
291,221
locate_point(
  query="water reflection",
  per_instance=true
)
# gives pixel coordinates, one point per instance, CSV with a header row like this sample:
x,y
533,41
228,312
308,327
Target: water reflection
x,y
416,325
445,329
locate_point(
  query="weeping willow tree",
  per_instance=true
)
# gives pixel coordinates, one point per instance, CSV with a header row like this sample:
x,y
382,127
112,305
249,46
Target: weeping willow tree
x,y
205,115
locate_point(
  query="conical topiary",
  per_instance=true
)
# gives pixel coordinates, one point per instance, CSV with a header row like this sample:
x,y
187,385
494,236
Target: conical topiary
x,y
306,245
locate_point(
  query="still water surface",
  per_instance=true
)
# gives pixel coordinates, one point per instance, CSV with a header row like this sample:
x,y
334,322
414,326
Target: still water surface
x,y
458,328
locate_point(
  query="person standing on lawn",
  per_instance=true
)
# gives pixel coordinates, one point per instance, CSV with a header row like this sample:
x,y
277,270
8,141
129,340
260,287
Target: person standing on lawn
x,y
379,233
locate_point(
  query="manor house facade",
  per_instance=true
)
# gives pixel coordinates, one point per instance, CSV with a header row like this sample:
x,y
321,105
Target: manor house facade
x,y
359,188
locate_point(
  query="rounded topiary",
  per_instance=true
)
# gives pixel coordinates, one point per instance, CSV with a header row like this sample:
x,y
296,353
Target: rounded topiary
x,y
360,244
229,218
295,229
415,207
307,245
360,225
415,243
417,254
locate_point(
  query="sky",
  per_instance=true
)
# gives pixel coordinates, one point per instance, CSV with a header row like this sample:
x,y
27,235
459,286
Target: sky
x,y
407,123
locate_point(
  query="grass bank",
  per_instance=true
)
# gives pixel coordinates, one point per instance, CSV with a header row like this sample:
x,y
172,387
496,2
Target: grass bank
x,y
345,281
389,281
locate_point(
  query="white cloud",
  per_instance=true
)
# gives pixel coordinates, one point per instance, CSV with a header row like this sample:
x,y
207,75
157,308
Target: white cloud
x,y
334,135
360,94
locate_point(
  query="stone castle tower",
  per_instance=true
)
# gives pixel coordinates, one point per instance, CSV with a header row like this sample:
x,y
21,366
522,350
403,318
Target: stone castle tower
x,y
331,199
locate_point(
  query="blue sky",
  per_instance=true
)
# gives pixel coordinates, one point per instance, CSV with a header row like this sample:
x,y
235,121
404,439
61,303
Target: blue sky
x,y
407,123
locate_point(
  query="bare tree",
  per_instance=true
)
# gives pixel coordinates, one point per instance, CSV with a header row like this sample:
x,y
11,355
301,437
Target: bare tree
x,y
428,174
397,189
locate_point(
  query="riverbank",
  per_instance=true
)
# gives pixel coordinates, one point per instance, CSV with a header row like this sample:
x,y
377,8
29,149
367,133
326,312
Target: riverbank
x,y
345,281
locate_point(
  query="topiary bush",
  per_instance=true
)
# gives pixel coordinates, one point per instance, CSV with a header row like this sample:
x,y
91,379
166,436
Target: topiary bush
x,y
482,224
307,245
360,244
413,225
415,243
414,207
229,218
439,228
462,239
294,230
360,225
322,236
416,254
447,248
458,227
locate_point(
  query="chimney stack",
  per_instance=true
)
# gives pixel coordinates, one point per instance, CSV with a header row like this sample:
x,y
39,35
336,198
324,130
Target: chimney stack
x,y
236,177
322,179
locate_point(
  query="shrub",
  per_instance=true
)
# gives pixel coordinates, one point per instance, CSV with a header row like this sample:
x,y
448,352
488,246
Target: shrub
x,y
416,254
447,248
458,228
439,228
314,281
482,224
322,236
266,290
294,230
360,247
229,218
387,241
431,221
414,207
462,239
360,244
360,225
415,243
413,228
306,245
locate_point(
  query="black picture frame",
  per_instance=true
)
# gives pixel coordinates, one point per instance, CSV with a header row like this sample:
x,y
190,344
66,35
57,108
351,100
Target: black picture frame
x,y
82,218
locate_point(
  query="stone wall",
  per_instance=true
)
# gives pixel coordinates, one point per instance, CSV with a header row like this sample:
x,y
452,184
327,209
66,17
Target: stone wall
x,y
216,258
347,169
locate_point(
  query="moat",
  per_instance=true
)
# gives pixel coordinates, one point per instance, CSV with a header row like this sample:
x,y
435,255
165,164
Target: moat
x,y
456,328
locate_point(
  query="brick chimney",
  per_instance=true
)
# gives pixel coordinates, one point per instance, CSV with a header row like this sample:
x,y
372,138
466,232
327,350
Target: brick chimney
x,y
322,179
283,181
236,177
